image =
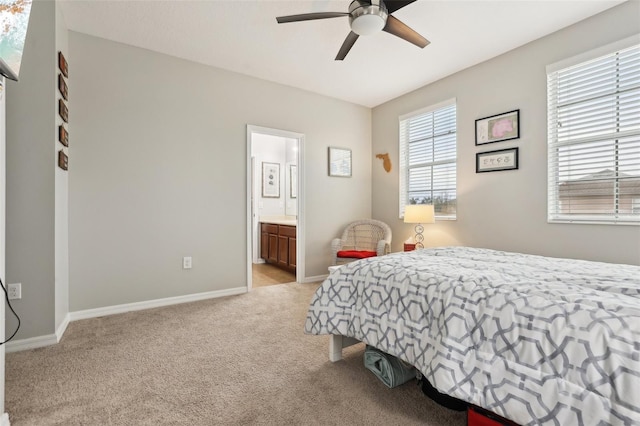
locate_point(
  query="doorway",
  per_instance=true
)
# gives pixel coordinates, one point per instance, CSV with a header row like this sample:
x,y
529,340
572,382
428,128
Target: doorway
x,y
275,201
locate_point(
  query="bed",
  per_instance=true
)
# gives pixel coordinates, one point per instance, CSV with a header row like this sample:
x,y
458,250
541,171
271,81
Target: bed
x,y
537,340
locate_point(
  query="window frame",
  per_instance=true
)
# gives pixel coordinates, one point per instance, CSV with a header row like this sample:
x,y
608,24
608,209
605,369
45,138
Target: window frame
x,y
554,215
403,155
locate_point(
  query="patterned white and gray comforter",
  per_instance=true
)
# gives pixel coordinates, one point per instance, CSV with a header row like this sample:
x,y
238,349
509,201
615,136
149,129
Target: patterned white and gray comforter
x,y
537,340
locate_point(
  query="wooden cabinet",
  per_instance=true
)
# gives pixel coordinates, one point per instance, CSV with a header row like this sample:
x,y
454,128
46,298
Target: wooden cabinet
x,y
278,245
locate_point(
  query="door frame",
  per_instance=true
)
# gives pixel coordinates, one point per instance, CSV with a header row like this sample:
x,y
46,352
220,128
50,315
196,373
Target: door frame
x,y
251,130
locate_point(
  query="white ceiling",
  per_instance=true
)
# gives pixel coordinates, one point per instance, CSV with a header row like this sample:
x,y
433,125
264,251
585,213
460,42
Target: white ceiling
x,y
243,36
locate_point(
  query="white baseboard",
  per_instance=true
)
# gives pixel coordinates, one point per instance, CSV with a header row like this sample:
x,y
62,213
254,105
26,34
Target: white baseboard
x,y
4,420
31,343
315,279
38,341
62,327
52,339
156,303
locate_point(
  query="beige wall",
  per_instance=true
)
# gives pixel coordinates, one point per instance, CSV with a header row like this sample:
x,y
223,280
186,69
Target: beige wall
x,y
62,190
3,165
506,210
158,172
37,190
31,163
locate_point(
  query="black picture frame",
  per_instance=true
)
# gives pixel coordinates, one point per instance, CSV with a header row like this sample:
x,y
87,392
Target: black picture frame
x,y
497,161
498,128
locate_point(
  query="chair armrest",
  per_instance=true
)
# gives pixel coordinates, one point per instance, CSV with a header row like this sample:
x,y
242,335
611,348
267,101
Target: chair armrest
x,y
336,245
383,248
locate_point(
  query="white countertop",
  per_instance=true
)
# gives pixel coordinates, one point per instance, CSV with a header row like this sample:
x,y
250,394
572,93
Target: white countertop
x,y
280,220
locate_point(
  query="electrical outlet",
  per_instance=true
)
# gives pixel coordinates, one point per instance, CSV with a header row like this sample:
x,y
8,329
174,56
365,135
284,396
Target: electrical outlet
x,y
186,262
15,291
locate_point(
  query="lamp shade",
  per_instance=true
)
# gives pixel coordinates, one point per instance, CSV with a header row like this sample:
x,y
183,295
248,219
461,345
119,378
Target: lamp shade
x,y
419,213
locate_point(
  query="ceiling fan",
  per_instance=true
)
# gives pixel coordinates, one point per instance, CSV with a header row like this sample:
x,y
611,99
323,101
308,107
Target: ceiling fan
x,y
366,17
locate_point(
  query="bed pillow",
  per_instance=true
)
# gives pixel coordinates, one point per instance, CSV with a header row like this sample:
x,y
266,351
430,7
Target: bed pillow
x,y
358,254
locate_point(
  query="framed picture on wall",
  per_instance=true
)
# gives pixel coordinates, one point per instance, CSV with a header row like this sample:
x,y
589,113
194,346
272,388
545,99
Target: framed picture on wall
x,y
270,180
62,87
62,64
63,135
498,128
63,111
339,162
293,181
63,160
493,161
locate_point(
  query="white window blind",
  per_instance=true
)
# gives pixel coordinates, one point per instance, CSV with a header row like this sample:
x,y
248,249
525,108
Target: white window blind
x,y
594,139
428,159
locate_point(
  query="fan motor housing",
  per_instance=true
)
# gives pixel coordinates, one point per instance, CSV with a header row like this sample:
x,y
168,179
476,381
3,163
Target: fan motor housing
x,y
366,18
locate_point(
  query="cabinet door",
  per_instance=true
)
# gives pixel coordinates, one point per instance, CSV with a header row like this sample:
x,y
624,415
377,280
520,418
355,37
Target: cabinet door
x,y
273,248
283,251
292,254
264,245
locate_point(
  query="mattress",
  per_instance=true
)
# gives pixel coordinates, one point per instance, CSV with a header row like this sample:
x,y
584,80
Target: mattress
x,y
537,340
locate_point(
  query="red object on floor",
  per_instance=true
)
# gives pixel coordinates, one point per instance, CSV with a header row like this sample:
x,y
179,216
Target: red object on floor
x,y
479,417
358,254
409,247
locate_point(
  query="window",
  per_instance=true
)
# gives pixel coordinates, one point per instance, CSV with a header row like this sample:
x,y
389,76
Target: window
x,y
428,159
594,136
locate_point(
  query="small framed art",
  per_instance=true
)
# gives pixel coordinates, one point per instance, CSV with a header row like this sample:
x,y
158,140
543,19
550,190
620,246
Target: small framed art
x,y
63,111
498,128
62,64
62,87
63,135
494,161
63,160
339,162
270,180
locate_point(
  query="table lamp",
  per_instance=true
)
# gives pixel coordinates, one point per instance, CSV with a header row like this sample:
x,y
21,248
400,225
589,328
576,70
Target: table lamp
x,y
419,213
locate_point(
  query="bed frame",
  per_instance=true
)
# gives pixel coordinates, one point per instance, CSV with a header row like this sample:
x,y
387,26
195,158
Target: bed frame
x,y
337,343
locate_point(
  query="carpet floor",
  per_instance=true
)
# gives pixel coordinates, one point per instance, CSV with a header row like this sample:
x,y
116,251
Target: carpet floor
x,y
238,360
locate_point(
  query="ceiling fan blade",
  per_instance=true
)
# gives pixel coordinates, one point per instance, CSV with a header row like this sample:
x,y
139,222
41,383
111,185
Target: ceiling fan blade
x,y
397,28
347,45
393,5
309,17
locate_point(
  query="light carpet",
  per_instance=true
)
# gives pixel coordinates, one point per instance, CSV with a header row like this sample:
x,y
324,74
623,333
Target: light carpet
x,y
238,360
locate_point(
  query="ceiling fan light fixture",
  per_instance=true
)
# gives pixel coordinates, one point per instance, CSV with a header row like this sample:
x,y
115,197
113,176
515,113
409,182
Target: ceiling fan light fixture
x,y
367,19
367,24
